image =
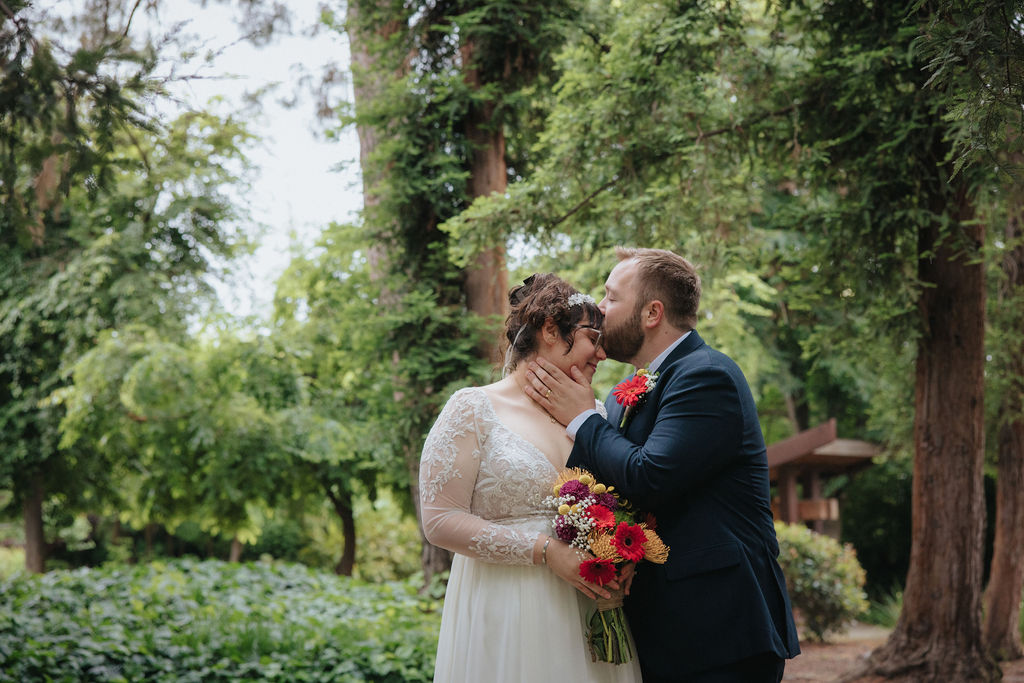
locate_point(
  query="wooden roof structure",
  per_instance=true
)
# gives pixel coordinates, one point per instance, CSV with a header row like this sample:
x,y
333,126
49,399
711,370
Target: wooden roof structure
x,y
810,458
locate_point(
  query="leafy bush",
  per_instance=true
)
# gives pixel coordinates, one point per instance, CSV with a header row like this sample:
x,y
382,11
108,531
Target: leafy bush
x,y
12,561
825,581
212,621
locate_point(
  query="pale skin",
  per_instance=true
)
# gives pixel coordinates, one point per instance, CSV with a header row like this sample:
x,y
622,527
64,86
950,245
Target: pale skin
x,y
525,417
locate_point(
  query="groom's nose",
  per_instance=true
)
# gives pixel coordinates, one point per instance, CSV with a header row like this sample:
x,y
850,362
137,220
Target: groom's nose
x,y
601,305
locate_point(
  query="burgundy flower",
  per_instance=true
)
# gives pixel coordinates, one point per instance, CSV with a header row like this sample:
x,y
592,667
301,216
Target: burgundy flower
x,y
574,489
565,530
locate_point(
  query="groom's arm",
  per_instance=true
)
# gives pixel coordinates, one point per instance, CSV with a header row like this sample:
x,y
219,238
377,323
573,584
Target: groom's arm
x,y
697,433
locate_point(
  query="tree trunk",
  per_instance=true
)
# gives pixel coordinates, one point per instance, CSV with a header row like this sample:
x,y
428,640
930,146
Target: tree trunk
x,y
487,278
35,541
938,636
343,506
1001,628
367,85
148,534
236,549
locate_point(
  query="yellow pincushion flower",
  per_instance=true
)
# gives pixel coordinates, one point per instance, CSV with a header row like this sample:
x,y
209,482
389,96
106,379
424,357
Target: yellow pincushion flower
x,y
563,509
599,488
601,546
655,549
586,479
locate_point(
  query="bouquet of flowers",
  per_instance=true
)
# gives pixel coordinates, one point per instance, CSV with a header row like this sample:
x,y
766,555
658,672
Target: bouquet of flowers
x,y
592,518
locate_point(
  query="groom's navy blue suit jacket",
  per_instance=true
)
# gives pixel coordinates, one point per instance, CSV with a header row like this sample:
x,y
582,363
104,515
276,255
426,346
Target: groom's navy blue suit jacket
x,y
693,455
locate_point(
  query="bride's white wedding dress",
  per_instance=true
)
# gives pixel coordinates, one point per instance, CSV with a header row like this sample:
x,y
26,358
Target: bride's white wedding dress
x,y
504,618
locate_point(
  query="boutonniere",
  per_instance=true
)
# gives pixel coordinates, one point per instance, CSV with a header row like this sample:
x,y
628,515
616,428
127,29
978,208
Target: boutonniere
x,y
633,391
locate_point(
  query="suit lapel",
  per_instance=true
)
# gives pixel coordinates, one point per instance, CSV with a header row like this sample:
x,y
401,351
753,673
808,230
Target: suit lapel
x,y
687,346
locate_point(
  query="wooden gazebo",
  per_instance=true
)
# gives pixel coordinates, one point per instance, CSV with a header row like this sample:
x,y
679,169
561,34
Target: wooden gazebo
x,y
810,458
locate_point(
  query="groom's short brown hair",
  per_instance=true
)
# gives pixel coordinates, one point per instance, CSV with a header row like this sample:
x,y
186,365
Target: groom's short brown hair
x,y
670,279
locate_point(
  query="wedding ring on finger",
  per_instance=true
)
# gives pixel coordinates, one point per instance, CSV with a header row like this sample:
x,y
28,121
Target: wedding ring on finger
x,y
547,394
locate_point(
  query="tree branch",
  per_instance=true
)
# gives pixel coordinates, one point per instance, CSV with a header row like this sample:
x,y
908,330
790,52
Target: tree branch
x,y
665,155
131,15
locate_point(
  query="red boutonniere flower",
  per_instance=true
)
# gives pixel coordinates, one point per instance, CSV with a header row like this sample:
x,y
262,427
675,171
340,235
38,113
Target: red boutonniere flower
x,y
632,391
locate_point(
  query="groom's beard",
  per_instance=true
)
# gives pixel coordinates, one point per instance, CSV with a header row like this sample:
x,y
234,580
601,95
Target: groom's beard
x,y
623,342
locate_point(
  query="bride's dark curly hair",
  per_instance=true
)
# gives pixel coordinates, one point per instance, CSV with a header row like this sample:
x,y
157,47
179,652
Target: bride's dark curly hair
x,y
540,297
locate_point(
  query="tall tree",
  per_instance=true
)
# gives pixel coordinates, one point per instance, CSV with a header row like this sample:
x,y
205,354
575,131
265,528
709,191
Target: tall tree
x,y
975,53
880,155
107,218
443,88
1002,599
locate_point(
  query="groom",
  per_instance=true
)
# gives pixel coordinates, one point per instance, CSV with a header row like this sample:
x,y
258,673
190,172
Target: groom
x,y
691,453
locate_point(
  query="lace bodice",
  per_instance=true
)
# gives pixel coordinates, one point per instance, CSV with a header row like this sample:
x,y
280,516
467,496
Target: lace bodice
x,y
482,485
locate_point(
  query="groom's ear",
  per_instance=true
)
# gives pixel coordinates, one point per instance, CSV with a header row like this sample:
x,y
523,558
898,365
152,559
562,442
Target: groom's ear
x,y
653,315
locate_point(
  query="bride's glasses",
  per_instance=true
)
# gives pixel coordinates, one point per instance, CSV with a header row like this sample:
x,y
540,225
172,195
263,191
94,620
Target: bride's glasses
x,y
595,335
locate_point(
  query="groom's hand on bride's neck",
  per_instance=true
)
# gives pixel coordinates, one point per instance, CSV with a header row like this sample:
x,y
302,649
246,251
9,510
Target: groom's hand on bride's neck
x,y
562,396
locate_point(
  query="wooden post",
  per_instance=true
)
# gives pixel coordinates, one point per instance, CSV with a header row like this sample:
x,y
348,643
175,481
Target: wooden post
x,y
789,500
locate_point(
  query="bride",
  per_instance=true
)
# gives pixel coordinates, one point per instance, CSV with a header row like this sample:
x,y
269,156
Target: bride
x,y
515,605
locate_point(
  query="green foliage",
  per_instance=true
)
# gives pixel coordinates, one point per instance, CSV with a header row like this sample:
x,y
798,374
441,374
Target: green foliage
x,y
885,610
210,621
824,579
12,561
112,215
975,53
877,522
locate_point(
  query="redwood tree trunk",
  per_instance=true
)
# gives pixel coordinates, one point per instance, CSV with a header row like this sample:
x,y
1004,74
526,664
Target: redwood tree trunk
x,y
1001,628
938,636
35,541
366,87
486,278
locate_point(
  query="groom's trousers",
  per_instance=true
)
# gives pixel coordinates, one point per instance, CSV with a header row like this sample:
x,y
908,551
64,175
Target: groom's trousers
x,y
766,668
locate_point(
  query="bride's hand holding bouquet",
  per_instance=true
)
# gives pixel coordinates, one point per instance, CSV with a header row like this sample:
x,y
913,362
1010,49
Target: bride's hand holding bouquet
x,y
594,520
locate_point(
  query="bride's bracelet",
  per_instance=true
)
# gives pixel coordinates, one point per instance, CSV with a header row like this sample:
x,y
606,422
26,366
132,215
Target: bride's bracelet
x,y
544,551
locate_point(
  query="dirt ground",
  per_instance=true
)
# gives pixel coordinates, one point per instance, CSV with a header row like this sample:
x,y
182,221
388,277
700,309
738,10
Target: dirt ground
x,y
820,663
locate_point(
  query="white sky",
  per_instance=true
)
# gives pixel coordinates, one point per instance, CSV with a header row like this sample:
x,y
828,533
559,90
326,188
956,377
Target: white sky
x,y
295,192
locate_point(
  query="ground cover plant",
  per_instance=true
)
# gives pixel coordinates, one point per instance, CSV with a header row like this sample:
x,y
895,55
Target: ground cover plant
x,y
188,620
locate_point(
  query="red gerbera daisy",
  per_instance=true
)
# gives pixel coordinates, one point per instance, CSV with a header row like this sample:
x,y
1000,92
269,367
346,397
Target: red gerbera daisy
x,y
597,571
629,392
629,541
602,516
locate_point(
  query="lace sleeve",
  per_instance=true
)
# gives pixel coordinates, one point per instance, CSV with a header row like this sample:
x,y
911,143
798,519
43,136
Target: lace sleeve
x,y
601,409
448,474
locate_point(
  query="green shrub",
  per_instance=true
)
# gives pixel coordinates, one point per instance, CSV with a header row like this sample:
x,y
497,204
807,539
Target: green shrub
x,y
885,610
211,621
825,581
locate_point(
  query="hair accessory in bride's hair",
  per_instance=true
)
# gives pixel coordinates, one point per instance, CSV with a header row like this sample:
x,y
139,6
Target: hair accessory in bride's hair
x,y
579,298
507,368
515,297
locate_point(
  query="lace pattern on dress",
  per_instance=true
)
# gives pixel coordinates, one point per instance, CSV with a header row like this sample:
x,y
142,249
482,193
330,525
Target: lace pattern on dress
x,y
481,485
437,463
